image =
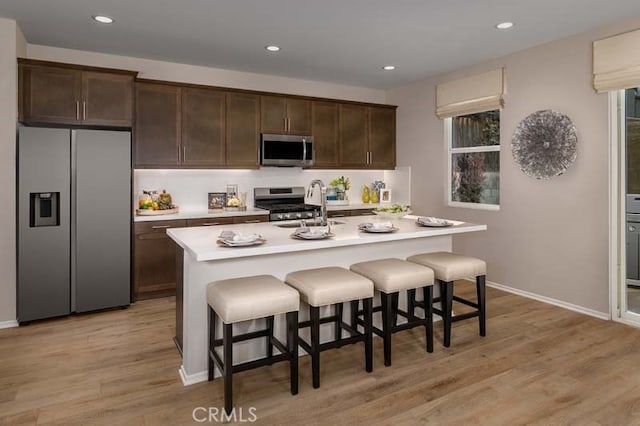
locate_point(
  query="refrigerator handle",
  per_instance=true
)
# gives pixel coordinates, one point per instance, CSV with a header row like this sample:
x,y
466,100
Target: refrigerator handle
x,y
74,227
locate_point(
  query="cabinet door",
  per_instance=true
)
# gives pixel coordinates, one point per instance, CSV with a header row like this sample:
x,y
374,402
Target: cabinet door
x,y
325,131
50,95
210,221
298,116
203,123
382,138
353,136
154,259
273,114
107,99
157,130
243,130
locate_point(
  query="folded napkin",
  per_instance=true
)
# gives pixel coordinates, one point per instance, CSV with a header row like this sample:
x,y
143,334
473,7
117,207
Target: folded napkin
x,y
231,236
426,220
376,225
315,230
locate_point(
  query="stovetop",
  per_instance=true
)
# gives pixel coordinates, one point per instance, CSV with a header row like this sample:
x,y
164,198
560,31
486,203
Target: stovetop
x,y
284,203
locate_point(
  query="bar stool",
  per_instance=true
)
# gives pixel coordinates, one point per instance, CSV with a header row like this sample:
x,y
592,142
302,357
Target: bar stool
x,y
449,267
333,286
390,277
243,299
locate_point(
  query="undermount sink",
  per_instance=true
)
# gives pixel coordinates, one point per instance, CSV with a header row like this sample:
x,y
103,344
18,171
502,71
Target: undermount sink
x,y
298,223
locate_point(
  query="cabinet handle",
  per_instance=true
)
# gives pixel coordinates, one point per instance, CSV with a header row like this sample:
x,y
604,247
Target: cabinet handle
x,y
211,224
160,226
84,110
184,153
253,221
370,157
284,119
288,124
337,215
77,110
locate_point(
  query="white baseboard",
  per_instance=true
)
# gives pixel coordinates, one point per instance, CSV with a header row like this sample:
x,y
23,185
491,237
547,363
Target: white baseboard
x,y
549,300
188,380
8,324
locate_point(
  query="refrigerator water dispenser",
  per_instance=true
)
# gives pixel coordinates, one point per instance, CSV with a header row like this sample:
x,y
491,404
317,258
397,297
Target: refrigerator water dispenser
x,y
44,209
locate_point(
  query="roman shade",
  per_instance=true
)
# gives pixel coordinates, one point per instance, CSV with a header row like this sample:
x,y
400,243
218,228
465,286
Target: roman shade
x,y
616,62
478,93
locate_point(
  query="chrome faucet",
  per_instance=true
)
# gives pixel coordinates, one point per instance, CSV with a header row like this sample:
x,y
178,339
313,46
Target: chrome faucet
x,y
323,198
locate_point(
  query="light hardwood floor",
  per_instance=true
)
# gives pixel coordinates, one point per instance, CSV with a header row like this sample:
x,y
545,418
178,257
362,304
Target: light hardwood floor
x,y
539,364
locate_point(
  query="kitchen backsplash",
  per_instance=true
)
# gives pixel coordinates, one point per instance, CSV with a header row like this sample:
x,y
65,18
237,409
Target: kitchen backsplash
x,y
189,188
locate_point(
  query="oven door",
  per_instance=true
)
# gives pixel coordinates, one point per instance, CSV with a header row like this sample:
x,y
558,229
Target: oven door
x,y
286,151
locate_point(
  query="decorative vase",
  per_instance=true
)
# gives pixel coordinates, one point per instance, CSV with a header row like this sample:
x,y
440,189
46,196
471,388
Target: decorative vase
x,y
366,195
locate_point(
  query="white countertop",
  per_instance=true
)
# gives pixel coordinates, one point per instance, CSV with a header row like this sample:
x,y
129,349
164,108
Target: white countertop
x,y
357,206
200,214
200,242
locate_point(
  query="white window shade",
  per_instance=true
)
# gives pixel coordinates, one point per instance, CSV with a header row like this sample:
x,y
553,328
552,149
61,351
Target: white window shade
x,y
616,62
478,93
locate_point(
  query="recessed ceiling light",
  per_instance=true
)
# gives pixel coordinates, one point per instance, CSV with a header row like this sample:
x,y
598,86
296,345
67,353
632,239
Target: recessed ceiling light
x,y
272,48
103,19
389,67
504,25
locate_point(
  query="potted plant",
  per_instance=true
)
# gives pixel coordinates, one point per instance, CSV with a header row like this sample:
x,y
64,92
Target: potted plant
x,y
341,185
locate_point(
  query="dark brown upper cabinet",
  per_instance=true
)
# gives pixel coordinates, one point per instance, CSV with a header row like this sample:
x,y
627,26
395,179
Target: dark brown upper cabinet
x,y
282,115
367,137
73,95
242,130
203,127
158,125
382,138
354,136
325,128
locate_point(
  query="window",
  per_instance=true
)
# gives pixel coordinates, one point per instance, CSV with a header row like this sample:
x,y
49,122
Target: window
x,y
474,160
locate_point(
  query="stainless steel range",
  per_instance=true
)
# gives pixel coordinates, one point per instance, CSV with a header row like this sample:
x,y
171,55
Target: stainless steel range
x,y
284,203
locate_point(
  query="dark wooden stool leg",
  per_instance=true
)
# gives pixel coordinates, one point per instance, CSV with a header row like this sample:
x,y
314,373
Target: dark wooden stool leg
x,y
387,325
482,300
338,324
427,296
314,312
227,343
411,303
395,298
446,301
212,338
368,330
355,305
292,347
270,337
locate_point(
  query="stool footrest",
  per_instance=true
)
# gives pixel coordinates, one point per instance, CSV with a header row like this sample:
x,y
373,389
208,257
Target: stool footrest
x,y
465,302
283,356
324,320
243,337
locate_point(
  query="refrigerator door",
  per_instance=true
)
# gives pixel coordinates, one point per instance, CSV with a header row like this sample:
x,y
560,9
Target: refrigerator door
x,y
44,184
102,223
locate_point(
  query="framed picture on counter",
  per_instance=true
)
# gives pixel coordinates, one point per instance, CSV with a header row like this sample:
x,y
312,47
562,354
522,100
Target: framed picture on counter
x,y
217,200
385,195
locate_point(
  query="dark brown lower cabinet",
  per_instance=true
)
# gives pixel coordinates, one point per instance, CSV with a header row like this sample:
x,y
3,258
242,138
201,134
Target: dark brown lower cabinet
x,y
353,212
154,259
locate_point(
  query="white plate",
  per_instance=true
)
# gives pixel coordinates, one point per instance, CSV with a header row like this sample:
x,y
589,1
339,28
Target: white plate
x,y
311,235
230,243
379,230
431,224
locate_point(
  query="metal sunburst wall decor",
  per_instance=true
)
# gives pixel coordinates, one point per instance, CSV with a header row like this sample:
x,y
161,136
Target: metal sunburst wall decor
x,y
545,144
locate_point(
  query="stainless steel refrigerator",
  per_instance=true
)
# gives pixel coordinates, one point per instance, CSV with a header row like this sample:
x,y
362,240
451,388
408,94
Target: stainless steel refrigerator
x,y
74,221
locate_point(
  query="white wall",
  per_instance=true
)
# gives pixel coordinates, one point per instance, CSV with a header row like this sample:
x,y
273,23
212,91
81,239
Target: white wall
x,y
549,237
160,70
10,43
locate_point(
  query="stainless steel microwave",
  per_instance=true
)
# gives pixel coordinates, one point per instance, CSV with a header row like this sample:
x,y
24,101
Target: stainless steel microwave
x,y
286,150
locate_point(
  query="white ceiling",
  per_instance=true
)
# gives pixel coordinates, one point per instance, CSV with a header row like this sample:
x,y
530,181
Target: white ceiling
x,y
341,41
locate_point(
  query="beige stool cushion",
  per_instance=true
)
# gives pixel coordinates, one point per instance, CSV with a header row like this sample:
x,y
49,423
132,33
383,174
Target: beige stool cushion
x,y
247,298
450,266
325,286
393,275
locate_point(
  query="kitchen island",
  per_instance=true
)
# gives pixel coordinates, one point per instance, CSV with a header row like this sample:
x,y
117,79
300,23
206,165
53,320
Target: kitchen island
x,y
201,261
